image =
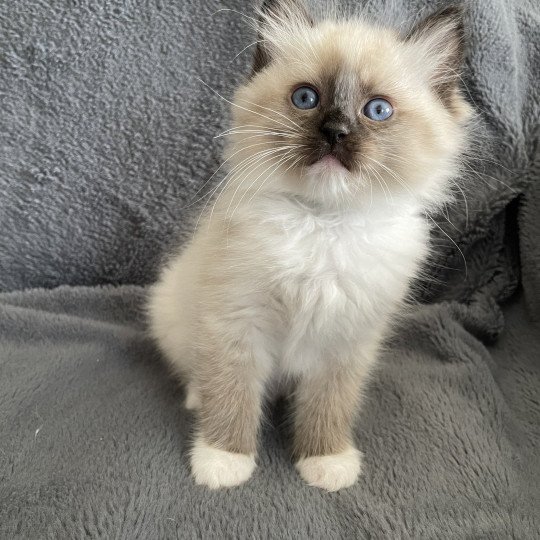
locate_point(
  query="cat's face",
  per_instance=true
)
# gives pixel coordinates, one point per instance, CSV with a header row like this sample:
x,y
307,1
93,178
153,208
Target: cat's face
x,y
340,112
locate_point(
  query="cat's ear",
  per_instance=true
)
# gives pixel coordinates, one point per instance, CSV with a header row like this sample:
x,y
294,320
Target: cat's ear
x,y
439,40
276,17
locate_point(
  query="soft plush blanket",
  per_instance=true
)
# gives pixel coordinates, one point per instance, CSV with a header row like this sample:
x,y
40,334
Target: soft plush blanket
x,y
94,438
106,135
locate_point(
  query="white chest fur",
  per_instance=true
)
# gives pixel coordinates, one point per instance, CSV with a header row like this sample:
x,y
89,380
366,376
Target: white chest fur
x,y
336,278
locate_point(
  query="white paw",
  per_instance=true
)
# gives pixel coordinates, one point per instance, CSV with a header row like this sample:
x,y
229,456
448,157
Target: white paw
x,y
217,468
193,401
331,472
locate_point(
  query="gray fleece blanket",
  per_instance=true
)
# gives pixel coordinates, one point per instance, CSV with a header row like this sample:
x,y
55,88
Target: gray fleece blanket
x,y
106,136
94,439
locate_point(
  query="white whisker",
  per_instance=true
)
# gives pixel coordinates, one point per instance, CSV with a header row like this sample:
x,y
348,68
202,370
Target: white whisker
x,y
272,110
247,47
240,106
451,240
281,158
272,153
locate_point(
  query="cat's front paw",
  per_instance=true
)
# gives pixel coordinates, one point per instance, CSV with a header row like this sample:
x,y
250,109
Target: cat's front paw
x,y
331,472
217,468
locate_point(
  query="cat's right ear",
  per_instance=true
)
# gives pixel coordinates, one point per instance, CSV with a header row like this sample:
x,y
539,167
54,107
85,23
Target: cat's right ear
x,y
275,18
440,42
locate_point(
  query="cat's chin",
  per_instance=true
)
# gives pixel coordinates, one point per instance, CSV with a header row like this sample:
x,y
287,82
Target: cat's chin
x,y
328,182
328,173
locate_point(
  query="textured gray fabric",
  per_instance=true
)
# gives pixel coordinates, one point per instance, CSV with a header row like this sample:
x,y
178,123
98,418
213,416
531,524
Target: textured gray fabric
x,y
93,438
106,132
529,224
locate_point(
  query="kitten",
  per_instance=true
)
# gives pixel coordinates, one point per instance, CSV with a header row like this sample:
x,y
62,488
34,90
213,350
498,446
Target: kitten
x,y
343,137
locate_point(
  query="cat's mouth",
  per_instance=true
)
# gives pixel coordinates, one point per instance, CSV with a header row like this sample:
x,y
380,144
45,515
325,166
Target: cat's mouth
x,y
331,161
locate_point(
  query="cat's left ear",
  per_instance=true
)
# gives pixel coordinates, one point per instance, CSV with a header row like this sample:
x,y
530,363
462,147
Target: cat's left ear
x,y
440,41
276,19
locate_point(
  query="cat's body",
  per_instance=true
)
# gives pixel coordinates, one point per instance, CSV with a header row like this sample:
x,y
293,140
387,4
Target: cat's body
x,y
305,282
295,275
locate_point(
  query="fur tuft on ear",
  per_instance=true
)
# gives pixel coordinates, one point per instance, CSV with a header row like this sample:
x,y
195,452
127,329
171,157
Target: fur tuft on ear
x,y
276,16
440,39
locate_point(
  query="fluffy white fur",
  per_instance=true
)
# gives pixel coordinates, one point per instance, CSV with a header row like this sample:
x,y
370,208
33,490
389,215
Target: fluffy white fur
x,y
300,283
331,472
296,269
217,468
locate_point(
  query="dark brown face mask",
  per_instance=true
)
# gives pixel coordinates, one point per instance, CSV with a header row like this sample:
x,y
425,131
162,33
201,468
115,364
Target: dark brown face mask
x,y
331,127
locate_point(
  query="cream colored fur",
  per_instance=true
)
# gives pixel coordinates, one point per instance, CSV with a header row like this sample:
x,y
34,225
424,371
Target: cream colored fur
x,y
294,273
331,472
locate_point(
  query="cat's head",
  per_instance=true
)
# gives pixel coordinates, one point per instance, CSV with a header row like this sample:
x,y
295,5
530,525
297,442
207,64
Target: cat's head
x,y
341,111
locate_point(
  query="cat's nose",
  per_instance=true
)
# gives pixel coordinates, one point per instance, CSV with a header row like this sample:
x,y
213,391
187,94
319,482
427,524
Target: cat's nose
x,y
334,132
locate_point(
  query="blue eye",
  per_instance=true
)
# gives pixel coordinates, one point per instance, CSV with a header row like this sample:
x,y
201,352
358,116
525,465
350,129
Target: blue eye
x,y
305,97
378,109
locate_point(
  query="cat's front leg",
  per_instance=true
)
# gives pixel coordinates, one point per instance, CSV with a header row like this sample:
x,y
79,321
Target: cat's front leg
x,y
325,406
229,383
